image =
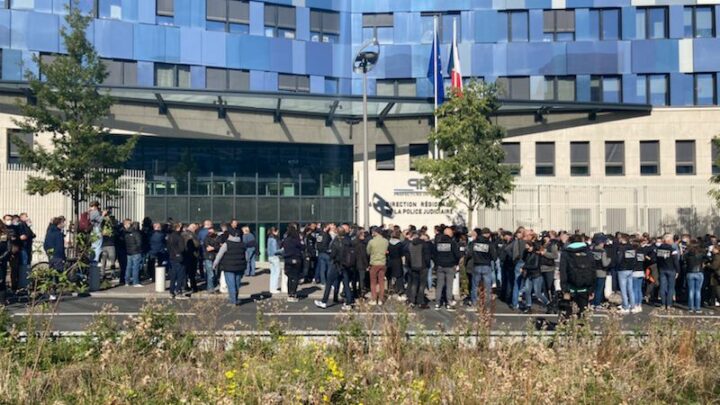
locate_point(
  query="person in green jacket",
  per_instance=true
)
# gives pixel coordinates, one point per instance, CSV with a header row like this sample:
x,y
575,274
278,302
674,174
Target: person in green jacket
x,y
377,250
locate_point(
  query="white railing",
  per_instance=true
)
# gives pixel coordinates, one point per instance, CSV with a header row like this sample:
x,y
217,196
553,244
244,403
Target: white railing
x,y
14,199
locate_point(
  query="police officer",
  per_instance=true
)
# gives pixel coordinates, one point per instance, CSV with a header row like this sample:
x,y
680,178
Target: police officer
x,y
483,253
577,275
446,256
601,261
322,244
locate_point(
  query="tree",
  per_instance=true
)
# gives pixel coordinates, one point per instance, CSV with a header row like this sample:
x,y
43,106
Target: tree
x,y
81,162
472,172
714,193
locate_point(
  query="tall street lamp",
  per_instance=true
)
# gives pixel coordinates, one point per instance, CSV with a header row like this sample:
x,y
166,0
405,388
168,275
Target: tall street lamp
x,y
365,61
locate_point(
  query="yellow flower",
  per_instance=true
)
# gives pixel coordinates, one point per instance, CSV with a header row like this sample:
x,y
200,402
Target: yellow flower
x,y
296,371
326,399
245,365
230,374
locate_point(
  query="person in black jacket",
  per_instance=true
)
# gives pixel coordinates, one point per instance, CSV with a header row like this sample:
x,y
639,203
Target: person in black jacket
x,y
211,246
483,253
231,259
446,256
361,264
533,277
158,252
417,257
133,247
341,267
176,247
668,263
293,254
577,274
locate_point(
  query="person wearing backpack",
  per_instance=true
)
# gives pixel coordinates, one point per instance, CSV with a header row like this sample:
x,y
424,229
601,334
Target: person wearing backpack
x,y
342,261
377,249
601,262
417,258
577,274
483,253
668,263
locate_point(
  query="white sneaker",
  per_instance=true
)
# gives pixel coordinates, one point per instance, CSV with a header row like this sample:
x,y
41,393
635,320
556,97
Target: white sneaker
x,y
52,297
346,307
717,303
635,310
452,304
639,308
137,285
624,311
320,304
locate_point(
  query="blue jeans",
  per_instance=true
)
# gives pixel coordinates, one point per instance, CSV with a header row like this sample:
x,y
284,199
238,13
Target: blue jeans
x,y
518,284
637,283
322,267
274,273
97,244
667,287
497,272
132,271
233,280
485,273
178,277
250,257
209,275
335,276
625,281
599,290
694,282
429,276
536,285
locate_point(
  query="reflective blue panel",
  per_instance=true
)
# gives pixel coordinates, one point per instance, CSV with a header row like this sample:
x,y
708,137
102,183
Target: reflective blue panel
x,y
43,5
657,23
130,10
427,27
5,28
706,57
146,11
610,25
197,77
34,31
518,26
59,6
395,61
658,87
107,33
593,57
653,56
215,26
681,89
213,48
239,28
163,20
172,44
257,18
612,90
704,89
319,59
145,74
192,47
149,41
110,9
331,86
299,60
317,84
12,64
385,35
22,4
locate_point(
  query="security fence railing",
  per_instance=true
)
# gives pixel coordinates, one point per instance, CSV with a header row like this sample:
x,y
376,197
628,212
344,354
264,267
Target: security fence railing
x,y
677,206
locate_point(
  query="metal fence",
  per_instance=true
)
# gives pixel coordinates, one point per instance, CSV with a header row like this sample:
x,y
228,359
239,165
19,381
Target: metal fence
x,y
679,206
41,209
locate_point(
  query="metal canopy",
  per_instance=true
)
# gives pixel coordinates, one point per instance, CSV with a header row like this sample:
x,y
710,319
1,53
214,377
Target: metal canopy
x,y
328,107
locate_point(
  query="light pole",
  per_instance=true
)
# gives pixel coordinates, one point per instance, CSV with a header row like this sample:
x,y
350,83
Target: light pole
x,y
365,61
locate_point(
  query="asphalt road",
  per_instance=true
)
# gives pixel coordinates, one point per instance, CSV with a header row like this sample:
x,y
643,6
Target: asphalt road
x,y
73,314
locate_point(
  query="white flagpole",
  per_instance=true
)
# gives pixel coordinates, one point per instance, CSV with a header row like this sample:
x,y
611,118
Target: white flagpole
x,y
435,78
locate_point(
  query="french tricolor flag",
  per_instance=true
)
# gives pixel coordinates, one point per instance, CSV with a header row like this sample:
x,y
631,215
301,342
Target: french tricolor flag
x,y
454,65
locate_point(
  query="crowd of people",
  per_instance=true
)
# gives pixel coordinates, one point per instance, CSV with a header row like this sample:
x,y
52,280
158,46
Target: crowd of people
x,y
545,271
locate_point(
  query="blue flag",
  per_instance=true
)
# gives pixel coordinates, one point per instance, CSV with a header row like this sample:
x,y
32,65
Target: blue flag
x,y
434,73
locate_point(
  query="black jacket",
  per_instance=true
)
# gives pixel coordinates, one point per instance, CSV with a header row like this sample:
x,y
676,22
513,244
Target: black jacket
x,y
446,252
292,249
211,240
424,247
133,241
337,247
667,258
176,247
231,257
482,251
362,261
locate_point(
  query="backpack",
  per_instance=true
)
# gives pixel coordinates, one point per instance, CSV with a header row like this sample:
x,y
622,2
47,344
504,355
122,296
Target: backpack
x,y
581,273
84,222
416,256
348,258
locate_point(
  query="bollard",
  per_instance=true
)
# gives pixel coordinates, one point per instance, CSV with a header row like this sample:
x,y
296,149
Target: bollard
x,y
283,279
223,284
23,276
160,279
94,277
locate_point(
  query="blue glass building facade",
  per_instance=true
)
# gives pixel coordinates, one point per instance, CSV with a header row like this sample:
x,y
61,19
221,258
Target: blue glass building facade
x,y
664,53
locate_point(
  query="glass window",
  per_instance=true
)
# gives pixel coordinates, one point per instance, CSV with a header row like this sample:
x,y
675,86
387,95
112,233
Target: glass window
x,y
517,26
651,22
705,89
512,156
559,25
294,83
215,79
331,85
13,156
183,77
649,158
699,22
228,15
324,26
641,89
614,158
514,88
238,80
378,25
715,156
606,89
164,75
396,88
560,88
605,24
165,8
110,9
684,157
579,158
384,157
444,27
545,158
279,21
417,151
657,90
120,73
